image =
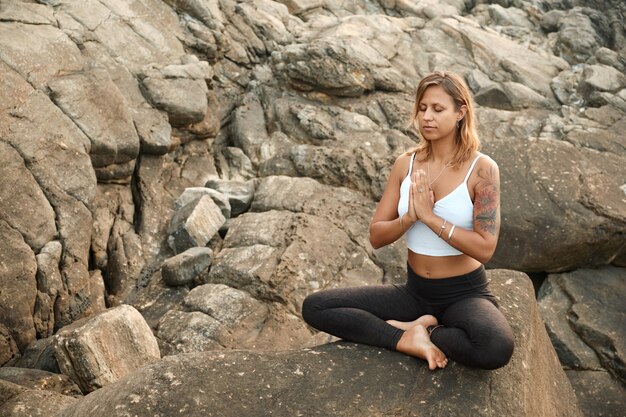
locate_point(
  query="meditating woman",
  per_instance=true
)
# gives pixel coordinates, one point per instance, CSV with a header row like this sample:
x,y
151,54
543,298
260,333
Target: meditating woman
x,y
445,196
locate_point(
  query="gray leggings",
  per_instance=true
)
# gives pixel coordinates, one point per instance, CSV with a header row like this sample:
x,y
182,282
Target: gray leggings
x,y
474,332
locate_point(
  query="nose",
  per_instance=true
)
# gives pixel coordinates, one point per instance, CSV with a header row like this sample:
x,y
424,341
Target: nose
x,y
428,114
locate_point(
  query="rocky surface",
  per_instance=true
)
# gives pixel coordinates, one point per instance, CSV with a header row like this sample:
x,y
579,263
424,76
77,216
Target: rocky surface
x,y
101,349
584,312
281,119
350,380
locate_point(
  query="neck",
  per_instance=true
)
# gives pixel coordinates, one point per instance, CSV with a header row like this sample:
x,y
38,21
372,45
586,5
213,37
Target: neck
x,y
441,151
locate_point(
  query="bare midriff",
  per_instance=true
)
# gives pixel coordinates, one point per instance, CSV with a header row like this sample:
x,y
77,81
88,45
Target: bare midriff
x,y
441,266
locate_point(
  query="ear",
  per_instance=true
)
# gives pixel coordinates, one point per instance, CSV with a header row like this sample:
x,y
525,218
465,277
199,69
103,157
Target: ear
x,y
462,112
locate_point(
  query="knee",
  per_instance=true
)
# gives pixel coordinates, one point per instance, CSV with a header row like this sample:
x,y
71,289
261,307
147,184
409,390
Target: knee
x,y
498,353
310,306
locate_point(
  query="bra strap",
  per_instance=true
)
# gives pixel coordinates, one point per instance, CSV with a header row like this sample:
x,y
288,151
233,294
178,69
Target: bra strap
x,y
471,168
411,164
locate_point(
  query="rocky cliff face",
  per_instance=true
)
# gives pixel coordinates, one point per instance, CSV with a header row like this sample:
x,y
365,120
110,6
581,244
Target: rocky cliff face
x,y
133,133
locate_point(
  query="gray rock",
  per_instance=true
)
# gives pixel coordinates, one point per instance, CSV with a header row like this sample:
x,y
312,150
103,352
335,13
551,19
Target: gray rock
x,y
97,107
235,164
117,248
300,6
601,78
349,380
136,36
17,292
239,193
29,13
588,293
185,332
184,267
26,46
607,56
281,256
184,100
554,305
49,287
192,194
195,224
249,131
154,131
156,299
40,380
598,393
27,211
577,38
538,208
87,353
19,401
39,355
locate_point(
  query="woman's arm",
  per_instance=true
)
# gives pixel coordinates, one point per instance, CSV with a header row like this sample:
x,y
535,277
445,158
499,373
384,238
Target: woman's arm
x,y
481,242
386,227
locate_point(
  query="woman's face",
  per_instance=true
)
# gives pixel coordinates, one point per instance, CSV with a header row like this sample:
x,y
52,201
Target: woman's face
x,y
437,115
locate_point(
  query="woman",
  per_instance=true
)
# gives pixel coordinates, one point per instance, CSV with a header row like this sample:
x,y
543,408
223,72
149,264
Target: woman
x,y
445,197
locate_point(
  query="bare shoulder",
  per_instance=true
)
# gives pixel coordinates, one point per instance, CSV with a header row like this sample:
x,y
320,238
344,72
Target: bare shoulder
x,y
401,166
486,170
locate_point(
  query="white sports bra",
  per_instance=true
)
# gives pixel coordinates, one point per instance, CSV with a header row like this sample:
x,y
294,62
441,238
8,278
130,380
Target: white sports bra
x,y
457,208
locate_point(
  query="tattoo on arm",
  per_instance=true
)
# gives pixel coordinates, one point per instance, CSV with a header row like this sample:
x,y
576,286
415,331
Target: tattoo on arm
x,y
487,201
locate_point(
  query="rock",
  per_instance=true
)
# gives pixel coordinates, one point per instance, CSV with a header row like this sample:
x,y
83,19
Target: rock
x,y
195,224
17,292
97,107
589,292
154,131
184,100
538,207
347,209
577,38
184,267
26,46
117,248
40,380
239,193
378,379
9,352
300,6
235,164
156,299
601,78
27,211
598,393
39,355
19,401
192,194
281,256
97,351
135,35
249,131
183,332
29,13
97,292
49,287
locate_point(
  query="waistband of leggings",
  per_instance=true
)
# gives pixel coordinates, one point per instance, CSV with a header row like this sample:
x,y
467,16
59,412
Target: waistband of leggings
x,y
477,274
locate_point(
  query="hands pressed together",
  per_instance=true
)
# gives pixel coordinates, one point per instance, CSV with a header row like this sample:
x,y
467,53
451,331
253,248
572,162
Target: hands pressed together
x,y
421,198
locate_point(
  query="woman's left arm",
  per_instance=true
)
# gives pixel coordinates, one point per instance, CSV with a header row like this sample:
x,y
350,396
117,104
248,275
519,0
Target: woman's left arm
x,y
481,242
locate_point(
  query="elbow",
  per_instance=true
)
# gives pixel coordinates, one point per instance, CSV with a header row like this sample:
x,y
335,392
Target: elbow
x,y
485,256
375,244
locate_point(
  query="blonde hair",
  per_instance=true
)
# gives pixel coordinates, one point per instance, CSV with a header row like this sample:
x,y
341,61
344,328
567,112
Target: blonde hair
x,y
466,137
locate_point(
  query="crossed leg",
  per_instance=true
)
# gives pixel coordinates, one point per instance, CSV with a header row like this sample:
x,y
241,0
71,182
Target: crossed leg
x,y
360,314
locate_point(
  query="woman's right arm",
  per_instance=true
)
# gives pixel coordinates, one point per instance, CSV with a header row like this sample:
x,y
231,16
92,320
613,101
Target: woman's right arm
x,y
386,227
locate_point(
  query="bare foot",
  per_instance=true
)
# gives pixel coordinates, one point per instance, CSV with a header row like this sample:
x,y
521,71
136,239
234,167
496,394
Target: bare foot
x,y
425,320
416,342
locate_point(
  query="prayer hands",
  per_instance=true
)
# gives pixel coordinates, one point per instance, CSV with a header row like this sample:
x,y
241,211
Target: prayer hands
x,y
421,197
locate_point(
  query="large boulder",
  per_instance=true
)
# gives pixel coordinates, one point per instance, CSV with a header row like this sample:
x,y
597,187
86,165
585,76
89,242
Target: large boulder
x,y
19,401
344,379
584,312
99,350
